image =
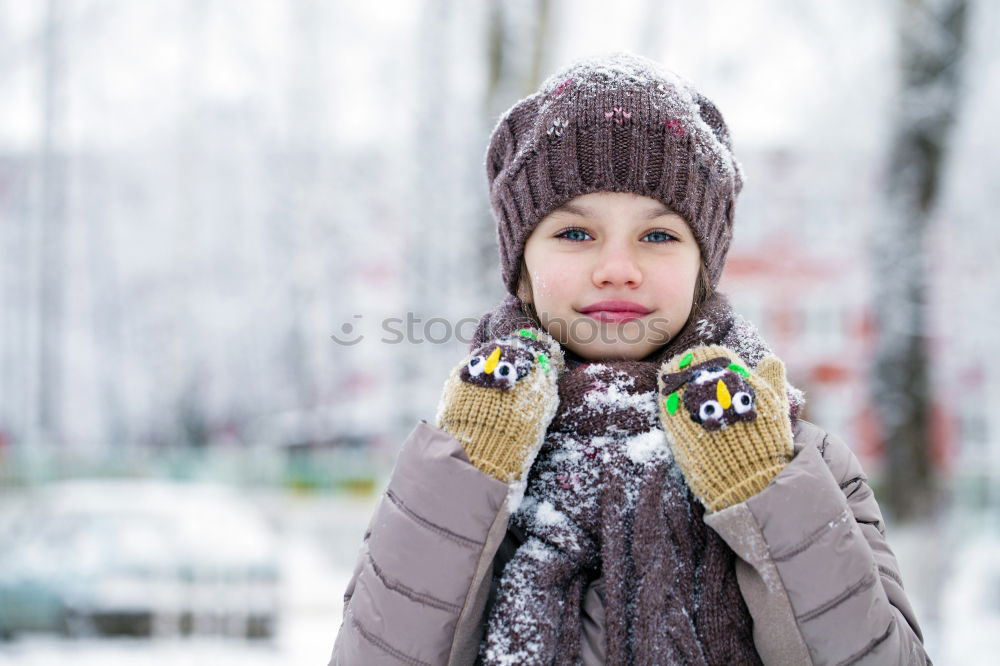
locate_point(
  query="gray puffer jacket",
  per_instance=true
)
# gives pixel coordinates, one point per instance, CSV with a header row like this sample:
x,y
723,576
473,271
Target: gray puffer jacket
x,y
813,565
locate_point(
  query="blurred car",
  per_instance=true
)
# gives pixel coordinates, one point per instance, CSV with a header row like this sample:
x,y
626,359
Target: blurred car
x,y
138,558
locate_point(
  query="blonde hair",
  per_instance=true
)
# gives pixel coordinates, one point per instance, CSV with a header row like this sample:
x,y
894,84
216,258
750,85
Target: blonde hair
x,y
524,290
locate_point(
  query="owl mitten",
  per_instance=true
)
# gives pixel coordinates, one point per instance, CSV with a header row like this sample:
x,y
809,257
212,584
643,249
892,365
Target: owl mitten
x,y
499,401
727,425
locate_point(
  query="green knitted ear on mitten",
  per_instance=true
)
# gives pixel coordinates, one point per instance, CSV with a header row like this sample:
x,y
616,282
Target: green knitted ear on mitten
x,y
727,425
499,401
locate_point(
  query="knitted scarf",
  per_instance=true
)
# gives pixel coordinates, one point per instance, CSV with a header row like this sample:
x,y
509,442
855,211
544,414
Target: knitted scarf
x,y
604,498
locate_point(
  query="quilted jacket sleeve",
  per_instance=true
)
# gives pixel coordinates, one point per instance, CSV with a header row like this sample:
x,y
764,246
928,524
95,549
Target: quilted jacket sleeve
x,y
423,574
815,570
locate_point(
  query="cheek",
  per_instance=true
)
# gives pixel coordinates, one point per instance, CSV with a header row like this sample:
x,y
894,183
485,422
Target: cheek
x,y
548,280
677,283
540,284
547,293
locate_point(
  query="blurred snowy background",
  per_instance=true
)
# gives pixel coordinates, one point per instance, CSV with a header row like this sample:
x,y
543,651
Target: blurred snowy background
x,y
243,243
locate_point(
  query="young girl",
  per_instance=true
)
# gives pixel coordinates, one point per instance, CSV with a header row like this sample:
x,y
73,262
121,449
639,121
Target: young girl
x,y
618,473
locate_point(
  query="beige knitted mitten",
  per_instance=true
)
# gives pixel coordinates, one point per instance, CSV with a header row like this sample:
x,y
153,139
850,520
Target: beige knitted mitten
x,y
727,425
500,400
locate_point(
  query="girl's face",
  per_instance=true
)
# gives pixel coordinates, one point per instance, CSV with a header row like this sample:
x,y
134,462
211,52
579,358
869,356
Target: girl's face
x,y
611,275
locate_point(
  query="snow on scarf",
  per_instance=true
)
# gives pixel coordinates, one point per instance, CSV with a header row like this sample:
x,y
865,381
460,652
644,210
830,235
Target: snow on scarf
x,y
604,499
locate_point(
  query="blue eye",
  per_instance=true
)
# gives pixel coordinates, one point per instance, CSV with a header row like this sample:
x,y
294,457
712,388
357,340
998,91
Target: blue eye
x,y
659,237
577,235
573,234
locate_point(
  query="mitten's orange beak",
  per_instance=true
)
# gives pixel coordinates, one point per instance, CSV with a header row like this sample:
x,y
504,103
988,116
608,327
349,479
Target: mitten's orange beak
x,y
722,393
491,361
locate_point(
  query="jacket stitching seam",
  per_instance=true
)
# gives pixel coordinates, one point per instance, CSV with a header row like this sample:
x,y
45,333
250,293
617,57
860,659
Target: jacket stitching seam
x,y
859,479
448,534
812,538
874,643
867,581
885,571
385,647
877,524
855,490
409,592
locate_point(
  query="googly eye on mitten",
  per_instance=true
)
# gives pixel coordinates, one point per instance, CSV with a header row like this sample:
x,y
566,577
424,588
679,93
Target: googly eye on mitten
x,y
498,402
727,425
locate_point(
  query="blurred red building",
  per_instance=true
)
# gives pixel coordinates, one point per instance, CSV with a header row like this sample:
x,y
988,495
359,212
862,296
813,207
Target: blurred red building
x,y
799,270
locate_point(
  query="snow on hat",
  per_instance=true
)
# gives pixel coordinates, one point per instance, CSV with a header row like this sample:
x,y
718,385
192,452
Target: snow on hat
x,y
619,123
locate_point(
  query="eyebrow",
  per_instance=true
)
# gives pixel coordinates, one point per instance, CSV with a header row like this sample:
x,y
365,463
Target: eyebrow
x,y
583,211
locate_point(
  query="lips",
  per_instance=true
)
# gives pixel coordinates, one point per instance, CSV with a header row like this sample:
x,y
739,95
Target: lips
x,y
615,311
616,306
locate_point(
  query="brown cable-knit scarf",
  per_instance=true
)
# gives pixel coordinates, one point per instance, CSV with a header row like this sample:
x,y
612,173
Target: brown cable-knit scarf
x,y
604,499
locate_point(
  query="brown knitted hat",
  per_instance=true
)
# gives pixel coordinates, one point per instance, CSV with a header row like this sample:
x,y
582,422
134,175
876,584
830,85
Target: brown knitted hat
x,y
619,123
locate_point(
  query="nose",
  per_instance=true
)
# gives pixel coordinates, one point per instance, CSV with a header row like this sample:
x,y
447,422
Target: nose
x,y
617,266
